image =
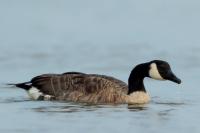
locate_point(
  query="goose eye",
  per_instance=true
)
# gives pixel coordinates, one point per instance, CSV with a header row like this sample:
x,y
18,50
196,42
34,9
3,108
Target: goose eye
x,y
164,67
164,70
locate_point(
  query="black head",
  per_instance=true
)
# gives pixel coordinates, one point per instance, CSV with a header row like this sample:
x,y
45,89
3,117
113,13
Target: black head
x,y
161,70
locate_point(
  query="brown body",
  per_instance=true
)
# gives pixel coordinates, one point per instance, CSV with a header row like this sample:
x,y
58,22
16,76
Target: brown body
x,y
80,87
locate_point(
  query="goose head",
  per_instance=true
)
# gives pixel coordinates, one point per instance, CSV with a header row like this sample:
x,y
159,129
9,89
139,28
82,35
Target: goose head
x,y
161,70
156,69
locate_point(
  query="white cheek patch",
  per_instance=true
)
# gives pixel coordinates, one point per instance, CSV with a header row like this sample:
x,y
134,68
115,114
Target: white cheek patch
x,y
154,73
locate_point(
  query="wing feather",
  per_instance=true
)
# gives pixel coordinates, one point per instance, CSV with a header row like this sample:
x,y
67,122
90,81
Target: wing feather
x,y
77,86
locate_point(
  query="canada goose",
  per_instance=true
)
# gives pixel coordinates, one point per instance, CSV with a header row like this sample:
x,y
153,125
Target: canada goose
x,y
98,89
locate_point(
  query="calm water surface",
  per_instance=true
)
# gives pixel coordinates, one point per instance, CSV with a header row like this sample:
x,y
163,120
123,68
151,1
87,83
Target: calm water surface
x,y
104,37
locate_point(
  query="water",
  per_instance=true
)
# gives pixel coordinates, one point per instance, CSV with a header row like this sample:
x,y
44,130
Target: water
x,y
104,37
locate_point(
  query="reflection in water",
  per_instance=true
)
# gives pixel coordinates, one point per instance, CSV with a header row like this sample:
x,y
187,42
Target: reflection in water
x,y
164,113
65,109
156,100
171,103
70,107
137,107
54,109
74,107
14,100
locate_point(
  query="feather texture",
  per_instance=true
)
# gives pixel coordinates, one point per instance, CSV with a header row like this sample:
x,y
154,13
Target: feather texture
x,y
80,87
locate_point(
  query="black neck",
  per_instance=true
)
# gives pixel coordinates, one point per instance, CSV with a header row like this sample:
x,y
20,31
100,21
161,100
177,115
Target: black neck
x,y
136,78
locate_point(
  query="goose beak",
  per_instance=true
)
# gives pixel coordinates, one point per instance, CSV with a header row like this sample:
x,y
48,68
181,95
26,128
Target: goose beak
x,y
172,77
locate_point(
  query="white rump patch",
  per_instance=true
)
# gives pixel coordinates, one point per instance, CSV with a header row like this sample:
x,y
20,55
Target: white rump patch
x,y
154,73
34,93
138,97
47,97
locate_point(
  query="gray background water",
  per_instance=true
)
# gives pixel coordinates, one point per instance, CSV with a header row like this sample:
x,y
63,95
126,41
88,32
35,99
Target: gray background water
x,y
105,37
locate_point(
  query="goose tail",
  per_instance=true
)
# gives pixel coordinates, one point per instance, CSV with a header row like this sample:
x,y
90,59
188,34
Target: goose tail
x,y
25,85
